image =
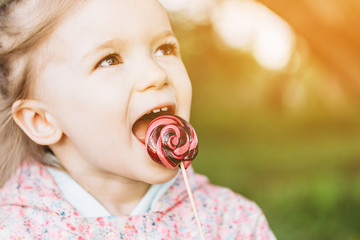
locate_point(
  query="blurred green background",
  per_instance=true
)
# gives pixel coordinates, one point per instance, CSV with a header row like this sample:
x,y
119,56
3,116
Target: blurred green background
x,y
276,108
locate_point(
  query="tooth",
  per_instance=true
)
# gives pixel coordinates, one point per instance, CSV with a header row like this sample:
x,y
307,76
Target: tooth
x,y
164,109
156,110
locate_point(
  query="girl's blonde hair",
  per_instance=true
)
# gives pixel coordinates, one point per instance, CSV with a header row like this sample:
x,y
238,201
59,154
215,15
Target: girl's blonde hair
x,y
24,27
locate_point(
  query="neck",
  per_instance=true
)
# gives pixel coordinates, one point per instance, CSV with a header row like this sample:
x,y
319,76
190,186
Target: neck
x,y
118,195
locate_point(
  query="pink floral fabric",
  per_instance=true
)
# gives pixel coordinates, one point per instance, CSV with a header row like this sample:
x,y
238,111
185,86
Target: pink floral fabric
x,y
32,207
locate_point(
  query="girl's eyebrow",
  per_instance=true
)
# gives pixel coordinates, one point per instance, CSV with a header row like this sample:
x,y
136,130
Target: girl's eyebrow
x,y
105,45
164,34
113,43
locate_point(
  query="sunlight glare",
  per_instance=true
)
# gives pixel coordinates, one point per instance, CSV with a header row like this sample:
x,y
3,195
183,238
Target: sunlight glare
x,y
248,25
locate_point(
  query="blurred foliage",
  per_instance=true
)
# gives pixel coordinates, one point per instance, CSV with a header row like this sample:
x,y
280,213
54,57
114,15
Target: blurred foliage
x,y
298,158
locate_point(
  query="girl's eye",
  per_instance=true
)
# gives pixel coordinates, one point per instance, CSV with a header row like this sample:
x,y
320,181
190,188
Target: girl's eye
x,y
109,60
167,49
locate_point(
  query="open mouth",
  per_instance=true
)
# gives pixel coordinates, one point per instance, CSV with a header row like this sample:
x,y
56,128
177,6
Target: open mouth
x,y
140,126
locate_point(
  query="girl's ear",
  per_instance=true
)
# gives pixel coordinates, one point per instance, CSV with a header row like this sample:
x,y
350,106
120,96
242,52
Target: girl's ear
x,y
33,118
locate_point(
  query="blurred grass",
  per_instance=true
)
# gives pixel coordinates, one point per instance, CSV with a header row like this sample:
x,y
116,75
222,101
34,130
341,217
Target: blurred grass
x,y
306,182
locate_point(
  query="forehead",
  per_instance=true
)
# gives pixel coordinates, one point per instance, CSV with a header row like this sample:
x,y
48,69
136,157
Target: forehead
x,y
126,12
98,20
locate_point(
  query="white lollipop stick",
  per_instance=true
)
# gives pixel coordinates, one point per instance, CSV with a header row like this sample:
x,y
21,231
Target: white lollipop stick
x,y
191,199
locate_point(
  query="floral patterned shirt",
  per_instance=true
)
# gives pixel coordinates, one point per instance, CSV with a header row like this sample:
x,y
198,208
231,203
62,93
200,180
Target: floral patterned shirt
x,y
32,207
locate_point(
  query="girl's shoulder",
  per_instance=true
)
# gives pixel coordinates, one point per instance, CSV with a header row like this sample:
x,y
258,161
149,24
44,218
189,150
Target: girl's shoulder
x,y
233,214
219,197
27,185
224,202
220,209
31,191
31,204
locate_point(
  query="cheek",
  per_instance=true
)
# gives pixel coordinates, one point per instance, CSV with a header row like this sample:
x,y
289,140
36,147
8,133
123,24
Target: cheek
x,y
93,109
184,96
185,86
187,94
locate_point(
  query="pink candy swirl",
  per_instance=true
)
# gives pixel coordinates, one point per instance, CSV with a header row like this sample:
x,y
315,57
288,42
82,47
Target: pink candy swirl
x,y
170,140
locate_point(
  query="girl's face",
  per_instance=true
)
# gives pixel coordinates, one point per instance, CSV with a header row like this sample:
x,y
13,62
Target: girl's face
x,y
106,66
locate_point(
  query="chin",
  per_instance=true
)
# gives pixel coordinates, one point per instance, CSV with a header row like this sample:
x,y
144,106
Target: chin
x,y
162,175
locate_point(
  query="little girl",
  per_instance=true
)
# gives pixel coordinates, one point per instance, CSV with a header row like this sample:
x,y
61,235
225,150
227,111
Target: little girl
x,y
80,81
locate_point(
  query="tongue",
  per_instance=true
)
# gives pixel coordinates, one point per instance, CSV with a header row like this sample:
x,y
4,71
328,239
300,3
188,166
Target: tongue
x,y
139,128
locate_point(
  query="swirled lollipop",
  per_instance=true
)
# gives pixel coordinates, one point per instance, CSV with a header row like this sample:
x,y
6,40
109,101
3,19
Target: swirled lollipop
x,y
171,140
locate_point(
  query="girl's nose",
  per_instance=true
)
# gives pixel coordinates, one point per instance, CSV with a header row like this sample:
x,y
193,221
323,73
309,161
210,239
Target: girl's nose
x,y
152,76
